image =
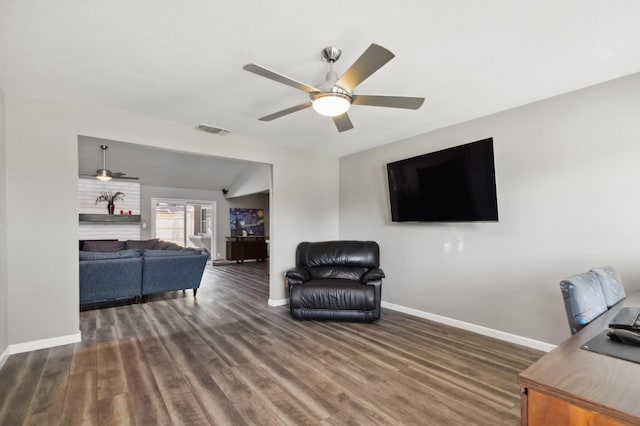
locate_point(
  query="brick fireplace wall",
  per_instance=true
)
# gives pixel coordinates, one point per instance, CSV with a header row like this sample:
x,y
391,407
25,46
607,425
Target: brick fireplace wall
x,y
89,190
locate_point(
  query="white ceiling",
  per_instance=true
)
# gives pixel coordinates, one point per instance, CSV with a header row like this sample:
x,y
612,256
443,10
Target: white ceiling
x,y
182,61
159,167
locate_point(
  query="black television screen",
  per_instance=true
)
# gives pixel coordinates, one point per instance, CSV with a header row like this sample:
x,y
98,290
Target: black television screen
x,y
453,185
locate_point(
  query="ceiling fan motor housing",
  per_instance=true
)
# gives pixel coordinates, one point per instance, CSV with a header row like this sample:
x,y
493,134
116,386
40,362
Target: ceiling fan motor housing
x,y
332,100
331,54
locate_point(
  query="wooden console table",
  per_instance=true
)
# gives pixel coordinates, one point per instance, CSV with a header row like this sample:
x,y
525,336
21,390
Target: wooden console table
x,y
243,248
573,386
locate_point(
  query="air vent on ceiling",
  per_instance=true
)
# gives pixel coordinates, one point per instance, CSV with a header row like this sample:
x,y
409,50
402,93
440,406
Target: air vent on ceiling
x,y
212,129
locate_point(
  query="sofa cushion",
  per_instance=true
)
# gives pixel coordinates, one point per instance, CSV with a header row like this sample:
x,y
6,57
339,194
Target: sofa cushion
x,y
165,253
142,244
108,246
101,255
161,245
166,245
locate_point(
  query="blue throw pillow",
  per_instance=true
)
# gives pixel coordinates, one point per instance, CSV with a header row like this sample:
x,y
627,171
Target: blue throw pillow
x,y
103,255
165,253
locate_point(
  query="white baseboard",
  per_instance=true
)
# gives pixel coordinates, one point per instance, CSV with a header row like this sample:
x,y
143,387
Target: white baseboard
x,y
44,343
485,331
4,356
278,302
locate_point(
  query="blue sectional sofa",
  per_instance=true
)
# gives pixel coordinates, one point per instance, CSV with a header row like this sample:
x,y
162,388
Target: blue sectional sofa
x,y
118,269
168,270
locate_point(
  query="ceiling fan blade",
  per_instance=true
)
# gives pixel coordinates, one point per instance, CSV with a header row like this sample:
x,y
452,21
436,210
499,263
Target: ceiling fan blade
x,y
285,112
388,101
369,62
343,122
119,175
272,75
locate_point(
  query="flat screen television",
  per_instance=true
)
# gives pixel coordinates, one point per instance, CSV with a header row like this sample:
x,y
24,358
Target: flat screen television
x,y
453,185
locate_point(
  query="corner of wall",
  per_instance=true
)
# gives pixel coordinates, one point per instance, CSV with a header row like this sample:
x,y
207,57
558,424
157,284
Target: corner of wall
x,y
4,284
254,179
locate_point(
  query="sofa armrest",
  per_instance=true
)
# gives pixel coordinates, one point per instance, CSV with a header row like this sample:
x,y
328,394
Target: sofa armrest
x,y
171,273
110,279
373,274
297,275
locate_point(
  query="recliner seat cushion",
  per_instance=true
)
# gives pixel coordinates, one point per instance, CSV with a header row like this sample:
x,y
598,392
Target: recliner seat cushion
x,y
335,294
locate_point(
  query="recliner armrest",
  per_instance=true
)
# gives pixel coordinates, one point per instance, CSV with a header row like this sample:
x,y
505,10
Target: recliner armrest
x,y
373,274
297,275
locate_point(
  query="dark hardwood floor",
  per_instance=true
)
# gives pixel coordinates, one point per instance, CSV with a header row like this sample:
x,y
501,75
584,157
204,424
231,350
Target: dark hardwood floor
x,y
226,357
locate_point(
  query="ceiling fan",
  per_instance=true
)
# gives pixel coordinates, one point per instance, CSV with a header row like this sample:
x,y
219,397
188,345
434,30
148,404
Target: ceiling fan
x,y
104,173
334,96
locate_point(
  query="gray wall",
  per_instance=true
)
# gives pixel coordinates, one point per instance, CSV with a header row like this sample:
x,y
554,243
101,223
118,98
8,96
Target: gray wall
x,y
42,168
567,182
4,286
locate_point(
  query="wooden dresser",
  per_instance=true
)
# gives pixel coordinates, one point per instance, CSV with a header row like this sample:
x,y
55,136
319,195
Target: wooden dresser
x,y
244,248
573,386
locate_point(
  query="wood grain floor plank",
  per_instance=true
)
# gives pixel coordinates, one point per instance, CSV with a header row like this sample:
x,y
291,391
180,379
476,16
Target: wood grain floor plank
x,y
81,400
253,409
146,401
110,368
296,385
115,410
20,392
48,399
181,403
279,400
214,403
227,357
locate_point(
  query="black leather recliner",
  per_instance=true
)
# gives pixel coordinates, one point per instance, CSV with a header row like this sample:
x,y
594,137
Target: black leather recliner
x,y
336,280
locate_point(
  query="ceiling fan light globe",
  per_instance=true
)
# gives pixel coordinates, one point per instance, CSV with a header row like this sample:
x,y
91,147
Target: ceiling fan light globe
x,y
331,104
103,174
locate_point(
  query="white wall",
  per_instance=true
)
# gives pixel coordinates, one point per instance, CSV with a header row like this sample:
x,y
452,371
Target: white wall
x,y
42,169
253,179
4,302
568,178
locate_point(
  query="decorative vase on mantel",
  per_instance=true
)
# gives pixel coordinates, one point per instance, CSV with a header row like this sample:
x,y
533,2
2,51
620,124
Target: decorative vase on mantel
x,y
110,198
